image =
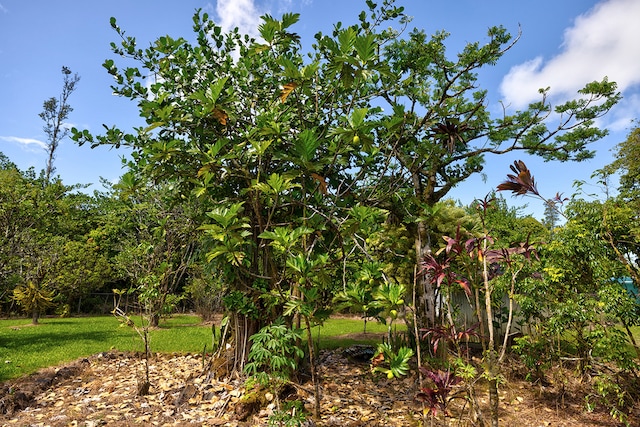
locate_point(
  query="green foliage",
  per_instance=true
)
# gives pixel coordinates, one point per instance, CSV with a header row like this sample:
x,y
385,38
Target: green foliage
x,y
626,165
41,224
205,294
291,414
274,353
390,298
358,297
33,299
392,363
82,268
536,353
157,241
614,393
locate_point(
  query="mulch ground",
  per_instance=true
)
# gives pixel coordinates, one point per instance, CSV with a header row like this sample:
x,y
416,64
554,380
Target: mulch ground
x,y
102,390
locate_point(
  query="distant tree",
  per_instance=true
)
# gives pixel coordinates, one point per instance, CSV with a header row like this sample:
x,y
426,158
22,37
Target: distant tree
x,y
55,112
158,242
627,165
17,219
40,222
551,215
33,299
81,268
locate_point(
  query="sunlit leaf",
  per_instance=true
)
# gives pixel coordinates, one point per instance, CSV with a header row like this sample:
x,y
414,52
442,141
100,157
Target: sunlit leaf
x,y
322,184
286,90
220,115
521,183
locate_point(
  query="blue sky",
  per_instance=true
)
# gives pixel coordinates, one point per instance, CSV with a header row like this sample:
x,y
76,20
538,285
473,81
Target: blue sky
x,y
564,44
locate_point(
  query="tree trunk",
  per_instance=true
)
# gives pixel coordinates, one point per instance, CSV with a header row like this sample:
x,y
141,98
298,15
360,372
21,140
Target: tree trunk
x,y
490,355
314,369
425,291
35,316
154,320
242,328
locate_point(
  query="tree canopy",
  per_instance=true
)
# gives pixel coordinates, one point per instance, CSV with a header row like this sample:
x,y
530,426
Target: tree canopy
x,y
287,141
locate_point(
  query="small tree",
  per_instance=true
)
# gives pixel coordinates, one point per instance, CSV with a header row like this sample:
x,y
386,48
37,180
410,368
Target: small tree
x,y
158,242
81,269
33,299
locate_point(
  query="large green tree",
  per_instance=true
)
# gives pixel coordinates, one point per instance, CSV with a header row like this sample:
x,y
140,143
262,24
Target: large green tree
x,y
620,218
287,142
441,129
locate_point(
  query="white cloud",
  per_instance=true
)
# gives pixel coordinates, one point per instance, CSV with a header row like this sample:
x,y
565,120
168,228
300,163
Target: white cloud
x,y
25,142
602,42
243,14
624,116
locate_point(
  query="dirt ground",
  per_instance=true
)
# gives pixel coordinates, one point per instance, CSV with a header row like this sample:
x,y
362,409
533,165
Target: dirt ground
x,y
102,390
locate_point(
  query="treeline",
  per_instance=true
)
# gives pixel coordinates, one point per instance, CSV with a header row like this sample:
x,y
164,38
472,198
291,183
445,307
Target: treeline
x,y
63,251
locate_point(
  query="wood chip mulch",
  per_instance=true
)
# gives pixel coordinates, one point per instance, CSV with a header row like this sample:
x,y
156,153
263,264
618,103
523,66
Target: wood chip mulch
x,y
102,390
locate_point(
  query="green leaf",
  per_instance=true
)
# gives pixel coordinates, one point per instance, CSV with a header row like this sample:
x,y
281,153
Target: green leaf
x,y
346,40
288,19
366,47
306,145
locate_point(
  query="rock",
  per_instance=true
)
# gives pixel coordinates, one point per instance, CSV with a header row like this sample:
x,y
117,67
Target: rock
x,y
360,353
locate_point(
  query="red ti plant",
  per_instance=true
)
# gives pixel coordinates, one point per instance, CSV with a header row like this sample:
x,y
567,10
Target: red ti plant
x,y
522,182
441,272
476,252
449,334
438,396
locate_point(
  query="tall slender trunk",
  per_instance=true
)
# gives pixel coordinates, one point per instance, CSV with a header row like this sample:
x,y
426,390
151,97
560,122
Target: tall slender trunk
x,y
314,369
241,330
426,295
491,356
425,290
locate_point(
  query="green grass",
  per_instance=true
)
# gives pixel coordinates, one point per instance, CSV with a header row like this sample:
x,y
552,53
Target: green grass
x,y
333,333
25,348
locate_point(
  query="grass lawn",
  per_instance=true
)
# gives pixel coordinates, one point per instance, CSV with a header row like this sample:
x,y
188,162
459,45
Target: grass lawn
x,y
25,348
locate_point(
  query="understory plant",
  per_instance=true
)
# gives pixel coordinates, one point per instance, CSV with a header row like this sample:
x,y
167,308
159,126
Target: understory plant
x,y
273,359
392,363
438,394
125,320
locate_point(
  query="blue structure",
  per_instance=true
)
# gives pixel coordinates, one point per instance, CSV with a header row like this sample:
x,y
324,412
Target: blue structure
x,y
628,284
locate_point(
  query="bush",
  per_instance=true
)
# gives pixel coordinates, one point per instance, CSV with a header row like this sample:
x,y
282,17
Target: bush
x,y
205,296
